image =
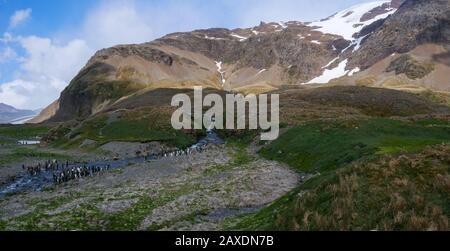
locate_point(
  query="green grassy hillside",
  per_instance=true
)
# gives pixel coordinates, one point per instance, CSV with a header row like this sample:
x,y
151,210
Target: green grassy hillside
x,y
13,133
140,125
379,174
326,145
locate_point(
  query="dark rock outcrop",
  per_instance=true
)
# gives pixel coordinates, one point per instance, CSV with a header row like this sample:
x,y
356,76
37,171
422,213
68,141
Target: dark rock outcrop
x,y
394,4
146,52
411,67
89,89
416,22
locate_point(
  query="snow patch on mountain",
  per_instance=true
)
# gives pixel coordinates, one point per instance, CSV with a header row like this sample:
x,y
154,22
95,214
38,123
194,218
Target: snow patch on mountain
x,y
22,120
241,38
358,42
328,75
348,22
283,25
330,63
261,71
356,70
221,72
213,38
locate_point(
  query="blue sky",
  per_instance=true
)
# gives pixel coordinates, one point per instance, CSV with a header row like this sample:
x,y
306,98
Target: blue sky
x,y
44,43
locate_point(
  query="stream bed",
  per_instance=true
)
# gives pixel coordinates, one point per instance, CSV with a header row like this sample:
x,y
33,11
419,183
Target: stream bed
x,y
26,182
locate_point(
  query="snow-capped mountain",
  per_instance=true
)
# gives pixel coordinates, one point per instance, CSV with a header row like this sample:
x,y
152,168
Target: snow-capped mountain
x,y
9,114
381,43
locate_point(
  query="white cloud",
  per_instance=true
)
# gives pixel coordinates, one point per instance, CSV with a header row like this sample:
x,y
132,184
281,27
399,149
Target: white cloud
x,y
130,22
7,54
26,94
19,17
116,23
17,93
45,58
46,69
6,38
47,66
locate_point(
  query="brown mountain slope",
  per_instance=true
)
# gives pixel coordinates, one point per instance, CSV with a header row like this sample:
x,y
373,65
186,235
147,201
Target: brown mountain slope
x,y
421,69
46,113
216,58
259,59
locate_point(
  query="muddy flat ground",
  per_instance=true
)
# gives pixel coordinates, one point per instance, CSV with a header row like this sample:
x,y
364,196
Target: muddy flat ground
x,y
207,191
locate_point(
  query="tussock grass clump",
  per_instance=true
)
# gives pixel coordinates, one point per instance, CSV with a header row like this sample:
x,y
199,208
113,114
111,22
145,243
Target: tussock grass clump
x,y
406,192
392,192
